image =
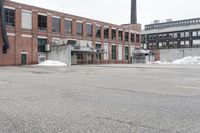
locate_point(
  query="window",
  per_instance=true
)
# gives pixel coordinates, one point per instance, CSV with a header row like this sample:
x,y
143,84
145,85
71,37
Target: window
x,y
113,34
26,20
187,44
198,32
41,44
175,35
137,38
55,24
164,36
68,26
126,36
106,33
171,35
126,53
132,37
160,36
182,34
42,23
196,43
194,33
10,17
120,35
114,52
89,29
187,34
98,31
182,44
98,48
79,28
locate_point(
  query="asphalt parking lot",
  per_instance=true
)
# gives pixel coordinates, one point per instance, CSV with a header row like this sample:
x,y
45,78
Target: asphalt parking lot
x,y
100,99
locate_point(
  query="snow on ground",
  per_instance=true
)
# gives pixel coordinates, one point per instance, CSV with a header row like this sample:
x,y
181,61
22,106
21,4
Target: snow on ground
x,y
185,60
52,63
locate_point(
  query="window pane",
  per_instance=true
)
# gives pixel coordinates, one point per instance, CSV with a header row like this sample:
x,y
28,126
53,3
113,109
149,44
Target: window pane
x,y
113,52
41,45
79,28
98,31
106,33
55,24
113,34
42,22
26,20
10,17
89,30
68,26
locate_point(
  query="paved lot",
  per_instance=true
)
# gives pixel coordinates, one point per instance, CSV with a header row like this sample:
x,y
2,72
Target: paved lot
x,y
96,99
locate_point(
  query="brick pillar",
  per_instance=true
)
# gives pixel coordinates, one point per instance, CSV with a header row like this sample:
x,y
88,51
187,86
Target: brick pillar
x,y
84,30
110,44
94,41
17,53
117,46
73,28
102,43
123,47
34,45
129,45
62,27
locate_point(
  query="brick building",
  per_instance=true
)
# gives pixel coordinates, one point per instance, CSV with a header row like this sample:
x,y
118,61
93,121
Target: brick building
x,y
30,29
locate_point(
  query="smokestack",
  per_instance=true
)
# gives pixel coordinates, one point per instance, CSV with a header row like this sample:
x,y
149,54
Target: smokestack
x,y
133,12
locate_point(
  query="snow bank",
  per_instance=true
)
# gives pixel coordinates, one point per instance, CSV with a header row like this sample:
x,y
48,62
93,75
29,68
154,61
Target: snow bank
x,y
188,60
52,63
185,60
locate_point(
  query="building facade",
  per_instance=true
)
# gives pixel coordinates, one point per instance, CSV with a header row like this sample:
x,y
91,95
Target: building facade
x,y
173,39
30,29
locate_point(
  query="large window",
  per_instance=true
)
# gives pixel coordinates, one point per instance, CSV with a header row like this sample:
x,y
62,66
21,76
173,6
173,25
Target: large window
x,y
126,53
42,22
126,36
89,30
41,44
79,28
106,33
68,26
55,24
120,35
114,52
98,31
114,34
187,34
26,20
10,17
196,43
182,34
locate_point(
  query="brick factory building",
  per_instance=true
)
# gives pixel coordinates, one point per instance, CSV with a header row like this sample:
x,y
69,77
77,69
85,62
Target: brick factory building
x,y
29,29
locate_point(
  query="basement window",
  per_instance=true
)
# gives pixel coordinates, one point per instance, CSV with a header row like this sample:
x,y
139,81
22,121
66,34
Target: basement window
x,y
10,17
42,23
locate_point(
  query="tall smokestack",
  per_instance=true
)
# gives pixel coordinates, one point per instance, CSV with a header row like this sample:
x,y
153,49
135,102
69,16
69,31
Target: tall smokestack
x,y
133,12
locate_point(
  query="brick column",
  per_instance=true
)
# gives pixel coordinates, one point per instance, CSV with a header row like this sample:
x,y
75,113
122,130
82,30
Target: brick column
x,y
73,28
123,47
34,45
110,44
62,27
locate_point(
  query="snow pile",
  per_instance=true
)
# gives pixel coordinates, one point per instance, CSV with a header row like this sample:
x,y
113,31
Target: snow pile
x,y
185,60
52,63
188,60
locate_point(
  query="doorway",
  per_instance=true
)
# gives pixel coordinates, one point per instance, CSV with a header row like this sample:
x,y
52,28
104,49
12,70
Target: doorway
x,y
24,59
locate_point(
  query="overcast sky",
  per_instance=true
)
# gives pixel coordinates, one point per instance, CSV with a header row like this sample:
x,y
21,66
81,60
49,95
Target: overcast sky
x,y
118,11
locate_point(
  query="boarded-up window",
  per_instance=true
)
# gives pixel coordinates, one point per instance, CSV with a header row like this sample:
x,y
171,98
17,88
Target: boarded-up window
x,y
26,20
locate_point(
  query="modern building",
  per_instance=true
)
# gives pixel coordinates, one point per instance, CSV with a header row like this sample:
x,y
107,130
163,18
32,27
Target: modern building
x,y
28,32
172,40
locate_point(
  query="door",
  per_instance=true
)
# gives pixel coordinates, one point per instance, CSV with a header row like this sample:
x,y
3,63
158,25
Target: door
x,y
23,59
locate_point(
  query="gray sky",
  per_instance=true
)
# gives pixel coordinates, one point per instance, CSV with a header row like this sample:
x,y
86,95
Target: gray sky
x,y
118,11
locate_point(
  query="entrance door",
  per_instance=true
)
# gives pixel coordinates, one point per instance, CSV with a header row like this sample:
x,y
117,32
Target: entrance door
x,y
23,59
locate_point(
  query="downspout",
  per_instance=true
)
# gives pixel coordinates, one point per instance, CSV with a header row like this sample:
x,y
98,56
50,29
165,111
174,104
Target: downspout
x,y
3,26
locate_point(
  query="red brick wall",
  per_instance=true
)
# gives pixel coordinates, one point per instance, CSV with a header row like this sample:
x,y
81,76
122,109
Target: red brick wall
x,y
19,44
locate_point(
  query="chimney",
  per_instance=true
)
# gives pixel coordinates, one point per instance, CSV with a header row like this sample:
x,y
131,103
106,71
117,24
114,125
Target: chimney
x,y
133,12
